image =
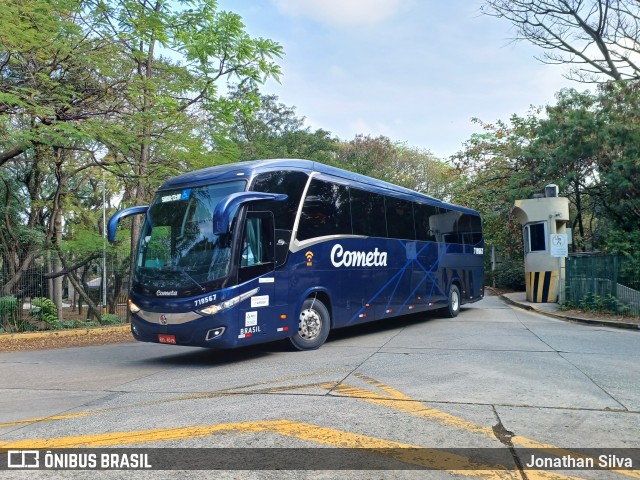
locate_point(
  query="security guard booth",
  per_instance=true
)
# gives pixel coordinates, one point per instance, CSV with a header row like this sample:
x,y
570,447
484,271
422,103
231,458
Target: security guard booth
x,y
544,219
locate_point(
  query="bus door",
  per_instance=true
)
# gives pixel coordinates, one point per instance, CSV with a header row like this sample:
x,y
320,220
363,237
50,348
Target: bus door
x,y
258,315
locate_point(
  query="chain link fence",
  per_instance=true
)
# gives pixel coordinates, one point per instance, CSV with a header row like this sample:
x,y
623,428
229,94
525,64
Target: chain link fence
x,y
599,282
37,302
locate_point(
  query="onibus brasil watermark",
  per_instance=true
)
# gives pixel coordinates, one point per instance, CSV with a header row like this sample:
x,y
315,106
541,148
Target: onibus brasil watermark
x,y
615,459
62,460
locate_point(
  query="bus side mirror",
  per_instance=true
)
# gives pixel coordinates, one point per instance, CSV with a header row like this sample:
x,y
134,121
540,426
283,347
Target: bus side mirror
x,y
226,206
119,215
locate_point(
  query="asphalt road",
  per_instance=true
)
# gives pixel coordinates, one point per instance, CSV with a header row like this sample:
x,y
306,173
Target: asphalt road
x,y
494,381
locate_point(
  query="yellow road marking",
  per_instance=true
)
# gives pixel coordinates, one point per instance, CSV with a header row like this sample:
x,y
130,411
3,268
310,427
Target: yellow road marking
x,y
392,398
28,421
412,454
399,401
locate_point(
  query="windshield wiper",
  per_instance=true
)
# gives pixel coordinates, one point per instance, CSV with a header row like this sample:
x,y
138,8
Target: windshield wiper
x,y
192,279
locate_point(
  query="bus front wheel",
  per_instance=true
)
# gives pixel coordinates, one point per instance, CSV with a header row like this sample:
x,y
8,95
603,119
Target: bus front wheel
x,y
453,307
313,325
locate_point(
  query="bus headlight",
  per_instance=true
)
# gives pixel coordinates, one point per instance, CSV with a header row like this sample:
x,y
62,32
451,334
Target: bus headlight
x,y
133,308
213,309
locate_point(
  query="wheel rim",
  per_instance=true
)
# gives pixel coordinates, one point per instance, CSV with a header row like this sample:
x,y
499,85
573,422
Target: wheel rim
x,y
310,324
455,301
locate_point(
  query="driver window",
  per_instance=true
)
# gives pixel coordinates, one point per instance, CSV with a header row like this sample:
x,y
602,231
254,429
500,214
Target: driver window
x,y
257,244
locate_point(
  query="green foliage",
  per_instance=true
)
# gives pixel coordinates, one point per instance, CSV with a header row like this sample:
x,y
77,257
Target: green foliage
x,y
599,304
44,310
111,319
367,155
421,171
618,241
264,128
88,104
508,275
588,144
8,306
496,169
8,313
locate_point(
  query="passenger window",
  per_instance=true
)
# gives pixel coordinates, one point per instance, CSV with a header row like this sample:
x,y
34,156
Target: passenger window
x,y
290,183
368,213
399,218
426,222
470,229
326,211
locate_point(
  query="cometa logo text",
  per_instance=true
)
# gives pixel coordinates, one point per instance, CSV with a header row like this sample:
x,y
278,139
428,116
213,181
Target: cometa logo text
x,y
344,258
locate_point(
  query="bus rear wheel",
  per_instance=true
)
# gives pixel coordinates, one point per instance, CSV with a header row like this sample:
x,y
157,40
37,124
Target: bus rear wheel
x,y
313,325
453,306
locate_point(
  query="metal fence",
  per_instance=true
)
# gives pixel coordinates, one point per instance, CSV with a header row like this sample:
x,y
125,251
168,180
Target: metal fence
x,y
604,283
31,303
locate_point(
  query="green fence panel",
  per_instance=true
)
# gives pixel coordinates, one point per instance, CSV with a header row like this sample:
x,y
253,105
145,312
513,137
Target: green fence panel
x,y
604,283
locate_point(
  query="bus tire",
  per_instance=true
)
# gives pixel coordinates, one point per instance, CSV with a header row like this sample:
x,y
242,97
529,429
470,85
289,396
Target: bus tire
x,y
453,302
313,325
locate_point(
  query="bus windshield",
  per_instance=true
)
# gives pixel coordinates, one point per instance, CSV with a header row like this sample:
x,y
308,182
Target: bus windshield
x,y
178,251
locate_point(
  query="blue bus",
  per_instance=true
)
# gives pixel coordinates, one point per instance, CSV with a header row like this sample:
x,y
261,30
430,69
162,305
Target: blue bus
x,y
258,251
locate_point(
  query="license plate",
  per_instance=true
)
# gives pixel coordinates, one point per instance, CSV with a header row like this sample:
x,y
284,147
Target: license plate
x,y
167,339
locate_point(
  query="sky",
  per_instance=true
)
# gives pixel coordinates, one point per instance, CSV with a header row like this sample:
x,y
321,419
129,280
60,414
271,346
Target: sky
x,y
415,71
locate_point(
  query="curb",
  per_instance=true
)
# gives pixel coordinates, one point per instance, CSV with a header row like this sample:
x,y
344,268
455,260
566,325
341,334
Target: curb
x,y
582,320
73,332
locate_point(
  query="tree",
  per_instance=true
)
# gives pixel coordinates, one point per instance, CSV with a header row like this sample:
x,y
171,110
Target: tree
x,y
367,155
587,143
619,114
269,129
165,95
568,147
599,38
55,80
496,168
83,86
590,142
421,171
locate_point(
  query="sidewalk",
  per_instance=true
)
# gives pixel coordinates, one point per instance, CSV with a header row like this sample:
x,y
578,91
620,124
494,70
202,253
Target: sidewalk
x,y
519,299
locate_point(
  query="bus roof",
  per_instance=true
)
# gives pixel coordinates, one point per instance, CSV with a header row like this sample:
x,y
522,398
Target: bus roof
x,y
248,169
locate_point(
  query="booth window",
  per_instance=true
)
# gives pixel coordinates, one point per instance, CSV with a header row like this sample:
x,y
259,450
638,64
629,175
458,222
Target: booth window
x,y
535,237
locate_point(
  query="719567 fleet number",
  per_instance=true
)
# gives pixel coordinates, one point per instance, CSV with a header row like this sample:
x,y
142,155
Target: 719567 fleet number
x,y
207,299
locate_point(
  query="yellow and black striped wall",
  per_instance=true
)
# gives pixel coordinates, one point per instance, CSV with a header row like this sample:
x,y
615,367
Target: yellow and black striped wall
x,y
542,286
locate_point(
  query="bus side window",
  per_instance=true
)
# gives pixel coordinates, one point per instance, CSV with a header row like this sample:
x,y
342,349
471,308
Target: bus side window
x,y
470,229
368,213
399,218
326,211
291,184
426,222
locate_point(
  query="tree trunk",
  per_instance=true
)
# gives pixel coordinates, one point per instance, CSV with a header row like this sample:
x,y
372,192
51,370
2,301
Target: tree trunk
x,y
56,291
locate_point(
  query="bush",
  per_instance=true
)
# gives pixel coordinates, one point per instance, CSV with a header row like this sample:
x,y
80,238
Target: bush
x,y
508,275
599,304
10,320
8,306
111,319
8,310
44,310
